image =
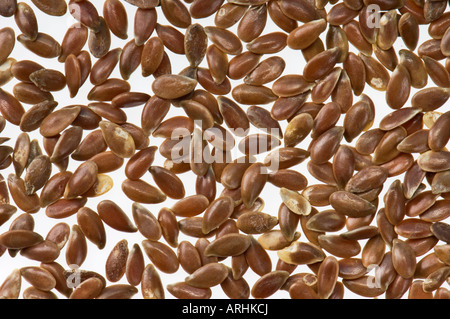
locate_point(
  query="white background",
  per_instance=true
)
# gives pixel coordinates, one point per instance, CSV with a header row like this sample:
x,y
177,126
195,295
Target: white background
x,y
56,26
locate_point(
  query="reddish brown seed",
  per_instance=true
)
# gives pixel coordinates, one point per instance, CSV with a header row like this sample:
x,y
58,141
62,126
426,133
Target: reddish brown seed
x,y
144,24
168,182
430,99
437,72
289,179
162,256
172,38
303,12
130,59
142,192
173,86
108,90
88,289
351,205
38,277
81,180
10,108
361,287
18,239
44,46
291,85
7,36
325,146
116,18
403,259
268,284
118,291
116,262
76,250
104,66
190,206
304,35
92,226
268,43
151,284
438,137
26,20
398,88
112,215
321,64
208,275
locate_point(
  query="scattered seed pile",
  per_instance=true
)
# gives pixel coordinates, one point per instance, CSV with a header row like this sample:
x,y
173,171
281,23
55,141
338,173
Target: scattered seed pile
x,y
375,222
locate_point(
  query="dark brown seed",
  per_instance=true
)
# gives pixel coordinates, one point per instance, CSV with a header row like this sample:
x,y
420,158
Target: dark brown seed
x,y
130,59
8,8
242,64
140,162
207,276
135,265
360,286
92,144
